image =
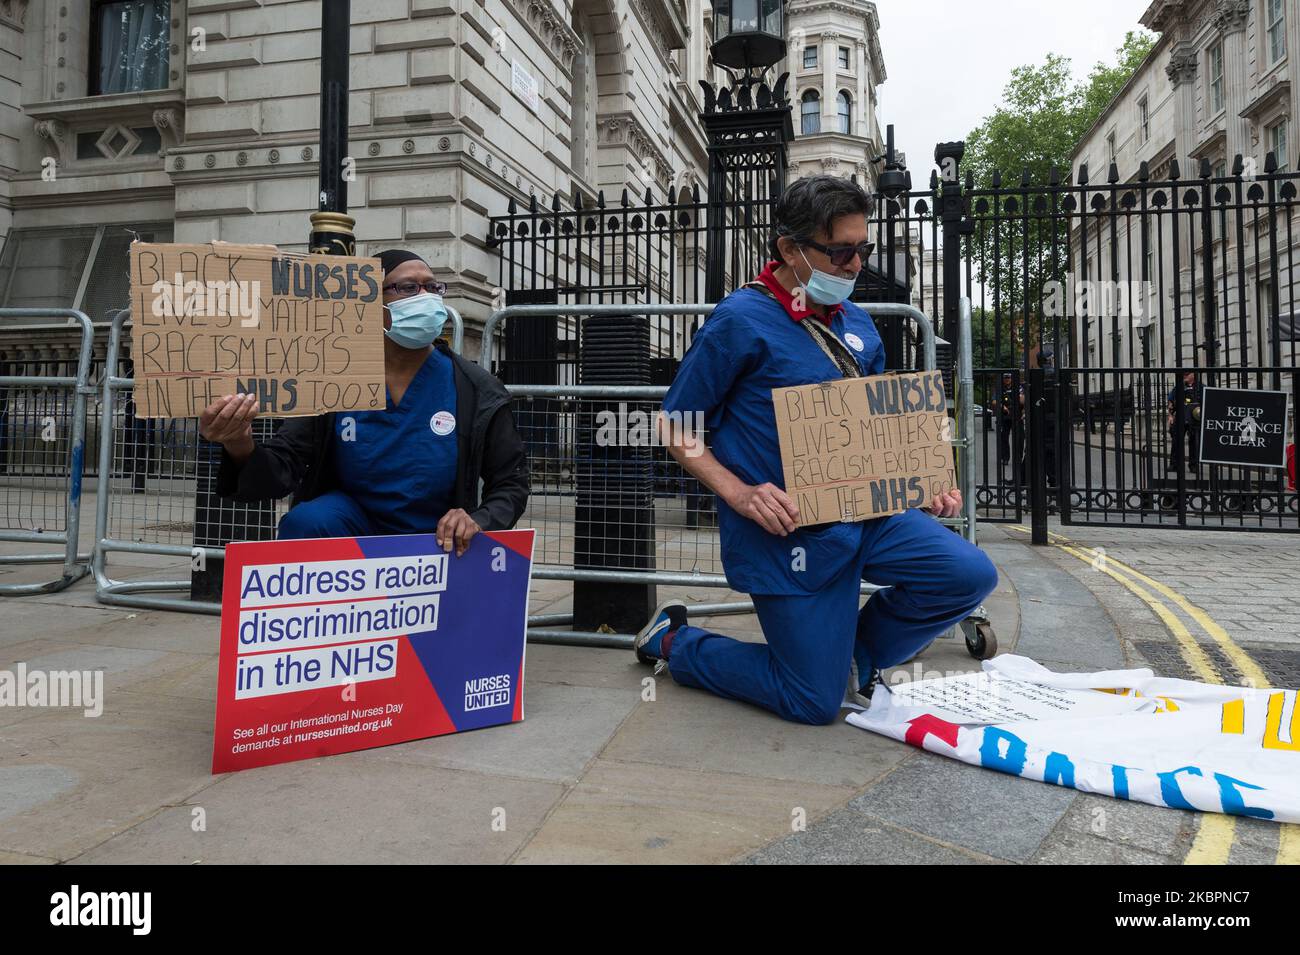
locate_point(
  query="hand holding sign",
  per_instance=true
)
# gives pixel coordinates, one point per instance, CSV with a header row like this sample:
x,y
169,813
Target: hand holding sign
x,y
767,506
946,504
229,419
456,528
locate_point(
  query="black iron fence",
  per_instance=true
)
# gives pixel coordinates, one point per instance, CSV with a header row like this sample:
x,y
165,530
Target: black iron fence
x,y
1117,289
595,252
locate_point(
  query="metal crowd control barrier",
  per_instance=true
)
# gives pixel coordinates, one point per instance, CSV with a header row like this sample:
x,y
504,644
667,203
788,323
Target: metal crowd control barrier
x,y
457,331
685,556
137,593
169,509
677,546
42,452
964,446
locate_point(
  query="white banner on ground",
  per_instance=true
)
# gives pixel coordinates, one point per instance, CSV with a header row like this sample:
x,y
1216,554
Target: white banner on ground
x,y
1121,733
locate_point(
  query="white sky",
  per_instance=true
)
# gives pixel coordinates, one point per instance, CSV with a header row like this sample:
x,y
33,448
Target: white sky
x,y
949,60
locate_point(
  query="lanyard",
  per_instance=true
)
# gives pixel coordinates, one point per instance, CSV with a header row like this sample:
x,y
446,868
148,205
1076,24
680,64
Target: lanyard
x,y
826,340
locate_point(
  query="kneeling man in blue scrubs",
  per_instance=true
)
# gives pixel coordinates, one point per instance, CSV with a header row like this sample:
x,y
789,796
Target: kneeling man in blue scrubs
x,y
795,326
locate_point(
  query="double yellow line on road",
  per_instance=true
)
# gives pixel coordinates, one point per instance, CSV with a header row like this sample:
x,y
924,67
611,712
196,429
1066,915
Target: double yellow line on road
x,y
1214,838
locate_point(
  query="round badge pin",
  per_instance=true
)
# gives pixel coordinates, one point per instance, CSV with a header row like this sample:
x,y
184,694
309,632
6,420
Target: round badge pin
x,y
444,422
854,341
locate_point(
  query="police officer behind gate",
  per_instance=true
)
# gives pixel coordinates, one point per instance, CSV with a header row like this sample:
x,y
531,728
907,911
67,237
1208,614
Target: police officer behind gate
x,y
794,326
1010,402
1185,422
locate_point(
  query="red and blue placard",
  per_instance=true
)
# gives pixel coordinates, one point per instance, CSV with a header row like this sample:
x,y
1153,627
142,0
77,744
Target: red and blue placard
x,y
335,645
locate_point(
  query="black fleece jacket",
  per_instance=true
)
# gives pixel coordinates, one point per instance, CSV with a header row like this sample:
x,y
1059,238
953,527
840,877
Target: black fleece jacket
x,y
299,460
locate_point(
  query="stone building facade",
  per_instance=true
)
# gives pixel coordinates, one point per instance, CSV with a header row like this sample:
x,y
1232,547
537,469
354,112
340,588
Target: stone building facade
x,y
195,120
1221,81
836,66
209,130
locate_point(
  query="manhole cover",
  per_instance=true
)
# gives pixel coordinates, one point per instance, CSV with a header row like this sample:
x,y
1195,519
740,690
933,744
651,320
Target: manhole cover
x,y
1281,666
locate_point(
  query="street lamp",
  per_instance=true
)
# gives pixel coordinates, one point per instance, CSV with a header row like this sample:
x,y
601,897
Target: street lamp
x,y
748,34
748,127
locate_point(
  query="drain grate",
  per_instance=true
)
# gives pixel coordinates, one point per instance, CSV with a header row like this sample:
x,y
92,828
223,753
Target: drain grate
x,y
1281,666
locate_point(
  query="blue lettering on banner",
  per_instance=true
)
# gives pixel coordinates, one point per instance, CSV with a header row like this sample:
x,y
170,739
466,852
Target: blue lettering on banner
x,y
1059,770
1119,781
1232,801
991,758
1169,791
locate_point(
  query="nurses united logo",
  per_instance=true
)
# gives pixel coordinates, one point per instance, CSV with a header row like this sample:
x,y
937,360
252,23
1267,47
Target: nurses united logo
x,y
444,422
854,341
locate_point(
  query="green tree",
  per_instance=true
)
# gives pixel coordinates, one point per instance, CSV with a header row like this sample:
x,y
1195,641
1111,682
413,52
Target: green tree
x,y
1021,241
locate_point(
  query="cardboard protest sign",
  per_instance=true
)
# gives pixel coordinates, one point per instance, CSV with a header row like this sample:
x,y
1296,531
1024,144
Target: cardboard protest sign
x,y
303,332
330,646
1245,427
859,448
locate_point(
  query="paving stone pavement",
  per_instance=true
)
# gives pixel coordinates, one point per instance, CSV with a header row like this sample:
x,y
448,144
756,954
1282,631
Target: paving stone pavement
x,y
598,772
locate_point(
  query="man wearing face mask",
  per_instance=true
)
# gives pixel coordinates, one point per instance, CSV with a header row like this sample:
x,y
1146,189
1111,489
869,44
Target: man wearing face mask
x,y
795,326
414,467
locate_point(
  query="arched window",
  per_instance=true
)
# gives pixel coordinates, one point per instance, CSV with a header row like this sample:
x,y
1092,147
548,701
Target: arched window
x,y
811,112
844,103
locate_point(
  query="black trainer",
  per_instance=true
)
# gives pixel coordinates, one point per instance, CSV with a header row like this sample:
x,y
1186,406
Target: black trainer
x,y
866,690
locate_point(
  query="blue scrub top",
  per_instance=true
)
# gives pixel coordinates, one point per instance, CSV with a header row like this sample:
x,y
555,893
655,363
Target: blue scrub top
x,y
747,347
401,466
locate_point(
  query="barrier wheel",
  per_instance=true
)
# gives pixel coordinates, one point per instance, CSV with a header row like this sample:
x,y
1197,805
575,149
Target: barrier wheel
x,y
981,642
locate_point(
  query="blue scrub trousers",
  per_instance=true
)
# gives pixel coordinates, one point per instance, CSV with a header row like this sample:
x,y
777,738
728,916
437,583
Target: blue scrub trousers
x,y
333,514
934,578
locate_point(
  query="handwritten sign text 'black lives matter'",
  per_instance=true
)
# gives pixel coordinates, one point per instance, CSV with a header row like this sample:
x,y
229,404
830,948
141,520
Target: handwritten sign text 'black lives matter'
x,y
305,333
860,448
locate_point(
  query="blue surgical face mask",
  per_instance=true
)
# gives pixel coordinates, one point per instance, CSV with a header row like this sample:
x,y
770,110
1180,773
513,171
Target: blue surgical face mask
x,y
417,320
826,289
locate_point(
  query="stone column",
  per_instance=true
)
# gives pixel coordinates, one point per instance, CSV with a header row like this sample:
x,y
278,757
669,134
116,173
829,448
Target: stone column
x,y
793,64
1183,63
1293,74
1231,16
830,55
860,107
1182,68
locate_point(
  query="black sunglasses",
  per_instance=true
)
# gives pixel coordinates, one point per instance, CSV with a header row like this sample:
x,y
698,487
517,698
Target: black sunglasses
x,y
842,255
411,288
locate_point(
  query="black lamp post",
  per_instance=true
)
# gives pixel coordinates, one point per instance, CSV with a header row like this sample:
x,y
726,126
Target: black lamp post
x,y
748,34
748,127
217,521
331,226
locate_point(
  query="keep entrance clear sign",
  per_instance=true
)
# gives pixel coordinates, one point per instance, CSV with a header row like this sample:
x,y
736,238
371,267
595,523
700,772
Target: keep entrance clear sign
x,y
1244,427
859,448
